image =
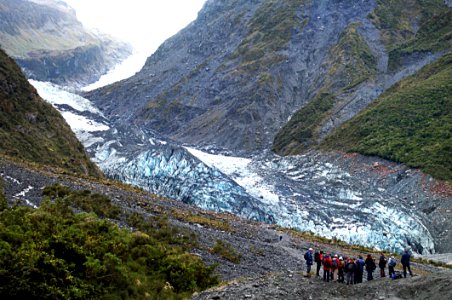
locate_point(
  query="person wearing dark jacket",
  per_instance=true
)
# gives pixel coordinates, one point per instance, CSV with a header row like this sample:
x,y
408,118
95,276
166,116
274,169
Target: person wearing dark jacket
x,y
382,265
340,270
309,261
406,263
370,267
318,258
350,270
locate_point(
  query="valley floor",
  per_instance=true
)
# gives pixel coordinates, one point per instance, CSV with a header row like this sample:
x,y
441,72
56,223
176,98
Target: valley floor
x,y
295,286
262,261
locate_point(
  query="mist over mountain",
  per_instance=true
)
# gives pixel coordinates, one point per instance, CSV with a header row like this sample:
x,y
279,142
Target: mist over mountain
x,y
50,44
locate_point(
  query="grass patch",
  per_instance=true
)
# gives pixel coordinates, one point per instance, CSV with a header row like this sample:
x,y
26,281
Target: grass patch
x,y
410,123
226,251
205,220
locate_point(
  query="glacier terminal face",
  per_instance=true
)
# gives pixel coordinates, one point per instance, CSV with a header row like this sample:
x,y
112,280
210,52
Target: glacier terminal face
x,y
315,193
327,194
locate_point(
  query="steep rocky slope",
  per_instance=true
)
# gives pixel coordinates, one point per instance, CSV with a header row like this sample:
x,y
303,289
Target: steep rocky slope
x,y
368,59
235,75
32,129
50,44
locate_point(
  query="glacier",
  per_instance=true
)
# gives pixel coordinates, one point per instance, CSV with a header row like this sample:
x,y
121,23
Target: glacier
x,y
313,192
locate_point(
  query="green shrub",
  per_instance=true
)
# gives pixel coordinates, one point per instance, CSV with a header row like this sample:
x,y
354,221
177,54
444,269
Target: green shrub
x,y
54,253
3,201
84,200
226,251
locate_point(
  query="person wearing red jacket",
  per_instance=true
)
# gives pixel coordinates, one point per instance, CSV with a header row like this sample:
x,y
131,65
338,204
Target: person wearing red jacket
x,y
327,264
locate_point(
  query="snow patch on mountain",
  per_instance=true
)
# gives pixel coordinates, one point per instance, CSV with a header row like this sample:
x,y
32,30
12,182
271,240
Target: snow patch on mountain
x,y
124,70
57,96
82,124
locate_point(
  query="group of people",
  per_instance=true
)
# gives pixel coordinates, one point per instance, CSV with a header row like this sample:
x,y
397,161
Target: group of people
x,y
351,270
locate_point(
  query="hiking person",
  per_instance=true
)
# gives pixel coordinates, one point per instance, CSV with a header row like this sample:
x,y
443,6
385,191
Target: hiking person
x,y
382,264
370,267
359,269
392,262
334,266
318,258
340,270
406,263
309,261
350,269
327,263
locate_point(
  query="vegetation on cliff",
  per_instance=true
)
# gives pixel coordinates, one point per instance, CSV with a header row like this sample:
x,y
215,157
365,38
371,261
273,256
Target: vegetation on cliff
x,y
398,20
32,129
410,123
350,63
434,35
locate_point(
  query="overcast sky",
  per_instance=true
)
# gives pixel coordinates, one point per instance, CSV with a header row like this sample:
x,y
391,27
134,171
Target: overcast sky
x,y
144,23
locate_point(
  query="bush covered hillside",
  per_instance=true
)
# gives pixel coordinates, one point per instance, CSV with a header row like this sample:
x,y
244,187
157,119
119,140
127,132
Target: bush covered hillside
x,y
53,253
410,123
32,129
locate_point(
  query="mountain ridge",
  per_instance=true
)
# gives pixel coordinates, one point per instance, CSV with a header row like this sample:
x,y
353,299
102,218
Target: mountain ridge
x,y
67,53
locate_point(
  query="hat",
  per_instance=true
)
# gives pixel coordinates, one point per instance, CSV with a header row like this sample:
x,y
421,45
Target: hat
x,y
335,255
340,258
310,249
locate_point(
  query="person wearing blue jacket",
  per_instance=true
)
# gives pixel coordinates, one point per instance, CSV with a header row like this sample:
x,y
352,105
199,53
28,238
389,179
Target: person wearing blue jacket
x,y
359,269
309,261
406,263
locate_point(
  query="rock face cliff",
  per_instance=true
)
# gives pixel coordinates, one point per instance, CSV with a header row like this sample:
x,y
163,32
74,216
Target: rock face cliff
x,y
50,44
235,75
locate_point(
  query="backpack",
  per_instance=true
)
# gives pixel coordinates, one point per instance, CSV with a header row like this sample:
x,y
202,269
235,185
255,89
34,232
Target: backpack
x,y
326,263
335,263
396,275
306,256
317,257
392,262
350,266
